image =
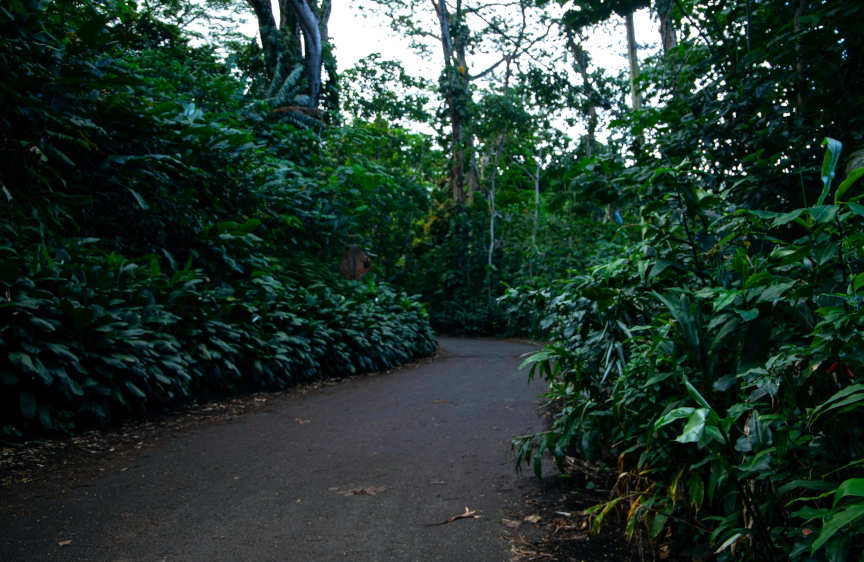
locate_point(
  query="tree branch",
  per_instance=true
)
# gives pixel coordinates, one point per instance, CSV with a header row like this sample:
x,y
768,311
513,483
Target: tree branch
x,y
490,69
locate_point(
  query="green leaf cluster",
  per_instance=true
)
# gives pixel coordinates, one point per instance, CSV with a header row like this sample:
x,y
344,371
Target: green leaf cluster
x,y
718,362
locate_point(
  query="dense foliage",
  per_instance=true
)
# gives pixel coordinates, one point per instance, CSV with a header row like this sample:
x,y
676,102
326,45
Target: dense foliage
x,y
166,236
731,396
714,359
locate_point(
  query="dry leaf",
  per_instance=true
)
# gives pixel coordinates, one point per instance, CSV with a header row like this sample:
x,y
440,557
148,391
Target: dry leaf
x,y
468,514
511,523
532,518
302,421
66,542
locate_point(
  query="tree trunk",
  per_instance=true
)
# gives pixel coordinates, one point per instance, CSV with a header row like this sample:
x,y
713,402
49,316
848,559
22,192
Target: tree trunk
x,y
536,205
456,74
668,38
582,63
312,45
271,38
799,64
635,95
299,23
491,195
491,220
457,167
291,28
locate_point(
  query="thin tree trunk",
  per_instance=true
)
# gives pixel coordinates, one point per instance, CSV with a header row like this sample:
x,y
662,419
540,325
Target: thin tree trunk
x,y
536,205
499,146
470,171
491,220
457,166
582,62
799,64
635,94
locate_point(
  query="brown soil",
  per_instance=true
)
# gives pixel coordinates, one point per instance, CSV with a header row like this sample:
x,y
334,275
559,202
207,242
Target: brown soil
x,y
552,525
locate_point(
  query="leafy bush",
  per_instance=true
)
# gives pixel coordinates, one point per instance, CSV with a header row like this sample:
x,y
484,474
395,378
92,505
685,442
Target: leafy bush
x,y
165,237
88,342
716,364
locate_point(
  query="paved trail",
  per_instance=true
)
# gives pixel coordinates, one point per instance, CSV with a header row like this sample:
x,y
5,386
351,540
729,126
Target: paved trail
x,y
426,441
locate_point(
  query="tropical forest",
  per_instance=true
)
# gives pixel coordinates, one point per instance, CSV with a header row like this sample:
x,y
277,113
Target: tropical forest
x,y
201,201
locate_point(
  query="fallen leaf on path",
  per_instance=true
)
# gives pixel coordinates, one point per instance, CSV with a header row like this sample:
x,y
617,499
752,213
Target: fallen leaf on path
x,y
302,421
511,523
532,518
440,401
66,542
370,491
468,514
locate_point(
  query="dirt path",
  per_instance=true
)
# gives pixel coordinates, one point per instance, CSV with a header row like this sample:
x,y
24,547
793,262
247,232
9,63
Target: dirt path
x,y
354,472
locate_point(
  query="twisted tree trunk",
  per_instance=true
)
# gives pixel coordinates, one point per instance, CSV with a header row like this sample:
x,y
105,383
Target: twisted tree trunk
x,y
301,23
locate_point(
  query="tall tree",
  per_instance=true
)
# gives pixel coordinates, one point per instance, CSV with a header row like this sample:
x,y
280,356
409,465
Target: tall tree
x,y
455,89
501,28
294,49
633,57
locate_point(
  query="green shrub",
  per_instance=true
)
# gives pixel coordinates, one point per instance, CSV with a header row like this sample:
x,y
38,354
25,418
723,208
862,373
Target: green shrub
x,y
163,236
717,365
